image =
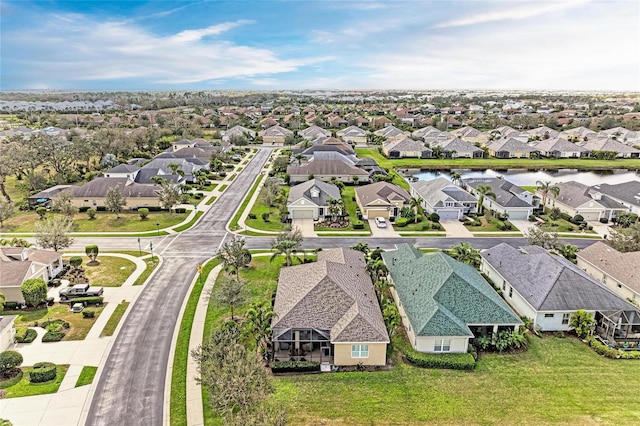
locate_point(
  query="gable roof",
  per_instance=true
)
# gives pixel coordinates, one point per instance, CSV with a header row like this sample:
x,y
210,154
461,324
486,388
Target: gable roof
x,y
607,144
276,130
303,190
509,145
406,145
624,267
313,132
505,191
549,282
575,194
327,168
351,131
335,293
438,191
457,145
628,192
384,191
557,144
390,132
98,188
442,296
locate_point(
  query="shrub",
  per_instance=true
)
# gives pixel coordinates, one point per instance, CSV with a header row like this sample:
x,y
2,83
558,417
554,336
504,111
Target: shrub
x,y
265,217
463,361
92,300
75,261
436,226
43,372
434,217
532,218
9,360
252,216
143,212
11,306
294,366
426,226
402,222
52,336
41,212
578,218
358,224
566,216
25,335
91,213
604,220
602,349
181,210
34,291
88,314
55,325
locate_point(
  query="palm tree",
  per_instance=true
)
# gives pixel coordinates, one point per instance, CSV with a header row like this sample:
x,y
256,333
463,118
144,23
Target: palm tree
x,y
257,322
287,243
465,253
362,247
415,203
455,177
484,191
335,208
299,157
545,188
377,269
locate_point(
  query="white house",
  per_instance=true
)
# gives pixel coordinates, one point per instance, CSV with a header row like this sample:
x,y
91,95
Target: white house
x,y
443,197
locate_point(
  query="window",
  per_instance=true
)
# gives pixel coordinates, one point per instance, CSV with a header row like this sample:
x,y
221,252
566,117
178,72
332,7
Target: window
x,y
442,345
548,315
604,279
359,351
504,285
510,291
565,318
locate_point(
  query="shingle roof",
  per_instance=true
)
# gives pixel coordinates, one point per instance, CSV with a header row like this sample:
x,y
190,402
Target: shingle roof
x,y
624,267
303,190
505,191
406,145
12,274
326,168
123,168
457,145
384,191
628,192
335,293
99,186
439,190
558,144
351,131
442,296
389,132
549,282
575,194
607,144
509,145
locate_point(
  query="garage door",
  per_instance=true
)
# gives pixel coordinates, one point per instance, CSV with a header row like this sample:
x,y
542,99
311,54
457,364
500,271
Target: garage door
x,y
519,215
590,215
372,214
448,214
302,214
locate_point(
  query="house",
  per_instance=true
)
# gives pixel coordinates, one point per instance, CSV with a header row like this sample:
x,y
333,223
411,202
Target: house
x,y
444,304
18,264
457,148
405,148
7,331
128,171
578,134
510,148
314,132
238,131
371,166
549,288
542,133
275,135
327,311
443,197
391,132
468,134
510,200
325,170
628,137
92,194
576,198
353,134
430,133
308,200
45,196
626,193
610,145
618,271
381,199
559,148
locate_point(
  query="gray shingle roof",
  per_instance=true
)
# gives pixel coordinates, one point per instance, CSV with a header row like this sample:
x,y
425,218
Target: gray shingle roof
x,y
549,282
457,145
303,190
335,293
628,192
406,145
624,267
607,144
509,145
384,191
326,168
351,131
575,194
558,144
123,168
505,191
99,186
442,296
437,191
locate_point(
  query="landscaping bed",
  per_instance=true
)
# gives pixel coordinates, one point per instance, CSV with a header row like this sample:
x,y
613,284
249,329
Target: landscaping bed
x,y
79,326
111,271
25,387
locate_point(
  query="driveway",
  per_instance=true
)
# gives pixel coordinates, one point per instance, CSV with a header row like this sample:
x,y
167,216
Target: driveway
x,y
522,225
387,232
601,229
305,226
456,229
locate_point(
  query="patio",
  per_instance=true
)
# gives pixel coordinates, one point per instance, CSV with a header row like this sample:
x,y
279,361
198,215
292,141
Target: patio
x,y
302,345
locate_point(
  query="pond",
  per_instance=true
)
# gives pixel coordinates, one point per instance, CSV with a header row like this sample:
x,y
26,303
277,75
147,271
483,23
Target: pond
x,y
526,177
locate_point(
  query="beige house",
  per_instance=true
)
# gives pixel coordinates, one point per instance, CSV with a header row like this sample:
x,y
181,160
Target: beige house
x,y
353,134
275,135
325,170
18,264
93,194
381,199
406,148
576,198
618,271
327,311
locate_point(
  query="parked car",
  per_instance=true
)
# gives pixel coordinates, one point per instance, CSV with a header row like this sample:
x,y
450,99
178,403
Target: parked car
x,y
380,222
236,157
77,307
80,290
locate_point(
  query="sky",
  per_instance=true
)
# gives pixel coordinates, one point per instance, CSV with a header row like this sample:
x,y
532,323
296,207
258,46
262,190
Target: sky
x,y
347,45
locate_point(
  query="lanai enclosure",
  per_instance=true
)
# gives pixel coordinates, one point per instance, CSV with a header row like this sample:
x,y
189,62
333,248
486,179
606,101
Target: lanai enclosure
x,y
618,326
302,344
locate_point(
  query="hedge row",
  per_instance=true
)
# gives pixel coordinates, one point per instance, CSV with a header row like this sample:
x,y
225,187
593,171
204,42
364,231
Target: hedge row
x,y
42,372
294,366
52,336
93,300
449,361
25,335
608,352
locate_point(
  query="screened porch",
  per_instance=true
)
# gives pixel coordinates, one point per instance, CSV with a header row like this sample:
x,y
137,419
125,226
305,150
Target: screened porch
x,y
302,344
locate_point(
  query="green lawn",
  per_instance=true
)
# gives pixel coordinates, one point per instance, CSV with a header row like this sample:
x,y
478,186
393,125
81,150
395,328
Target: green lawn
x,y
25,388
86,376
80,326
114,320
210,187
210,200
558,381
111,272
560,225
489,163
103,222
223,187
489,224
260,207
190,223
350,205
233,225
530,188
152,264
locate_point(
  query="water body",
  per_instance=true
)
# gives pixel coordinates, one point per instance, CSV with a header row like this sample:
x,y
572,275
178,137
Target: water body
x,y
529,178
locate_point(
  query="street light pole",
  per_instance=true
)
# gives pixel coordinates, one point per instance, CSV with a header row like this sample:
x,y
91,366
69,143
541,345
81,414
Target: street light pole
x,y
151,248
158,227
139,247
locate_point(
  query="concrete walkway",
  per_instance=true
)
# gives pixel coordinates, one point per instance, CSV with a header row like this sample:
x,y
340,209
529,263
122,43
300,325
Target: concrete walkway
x,y
305,226
456,229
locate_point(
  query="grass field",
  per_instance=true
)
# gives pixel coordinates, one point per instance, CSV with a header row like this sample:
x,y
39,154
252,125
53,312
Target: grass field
x,y
210,200
86,376
558,381
190,223
495,163
114,320
111,272
260,207
25,388
152,264
80,326
233,225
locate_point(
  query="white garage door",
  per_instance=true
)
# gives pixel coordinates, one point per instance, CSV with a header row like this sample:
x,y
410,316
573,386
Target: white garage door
x,y
302,214
448,214
523,215
590,215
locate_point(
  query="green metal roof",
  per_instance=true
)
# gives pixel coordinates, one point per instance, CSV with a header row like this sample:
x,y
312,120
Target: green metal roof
x,y
441,296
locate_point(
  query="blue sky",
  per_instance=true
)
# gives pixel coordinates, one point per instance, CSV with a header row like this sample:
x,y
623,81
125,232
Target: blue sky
x,y
271,45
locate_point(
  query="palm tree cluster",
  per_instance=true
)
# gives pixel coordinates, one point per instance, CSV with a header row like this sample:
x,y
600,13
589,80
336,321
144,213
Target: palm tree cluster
x,y
545,189
287,243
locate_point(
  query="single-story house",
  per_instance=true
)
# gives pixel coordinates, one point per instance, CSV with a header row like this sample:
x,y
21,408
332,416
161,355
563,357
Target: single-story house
x,y
548,289
611,145
371,166
275,135
353,134
391,132
327,311
468,134
576,198
92,194
541,133
314,132
406,147
559,148
7,331
18,264
458,148
45,196
578,134
238,131
308,200
430,133
444,304
618,271
325,170
626,193
510,200
443,197
381,199
510,148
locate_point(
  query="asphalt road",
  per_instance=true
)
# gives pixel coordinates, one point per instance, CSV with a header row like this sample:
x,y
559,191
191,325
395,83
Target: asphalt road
x,y
131,387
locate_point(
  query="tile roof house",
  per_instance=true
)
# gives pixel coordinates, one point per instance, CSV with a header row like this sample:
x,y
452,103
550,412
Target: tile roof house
x,y
406,148
510,148
327,311
611,145
618,271
444,303
510,199
576,198
549,288
325,170
559,148
18,264
308,200
381,199
626,193
445,198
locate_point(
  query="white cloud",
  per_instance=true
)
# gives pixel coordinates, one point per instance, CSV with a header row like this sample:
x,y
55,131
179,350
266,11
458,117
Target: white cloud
x,y
197,35
528,10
